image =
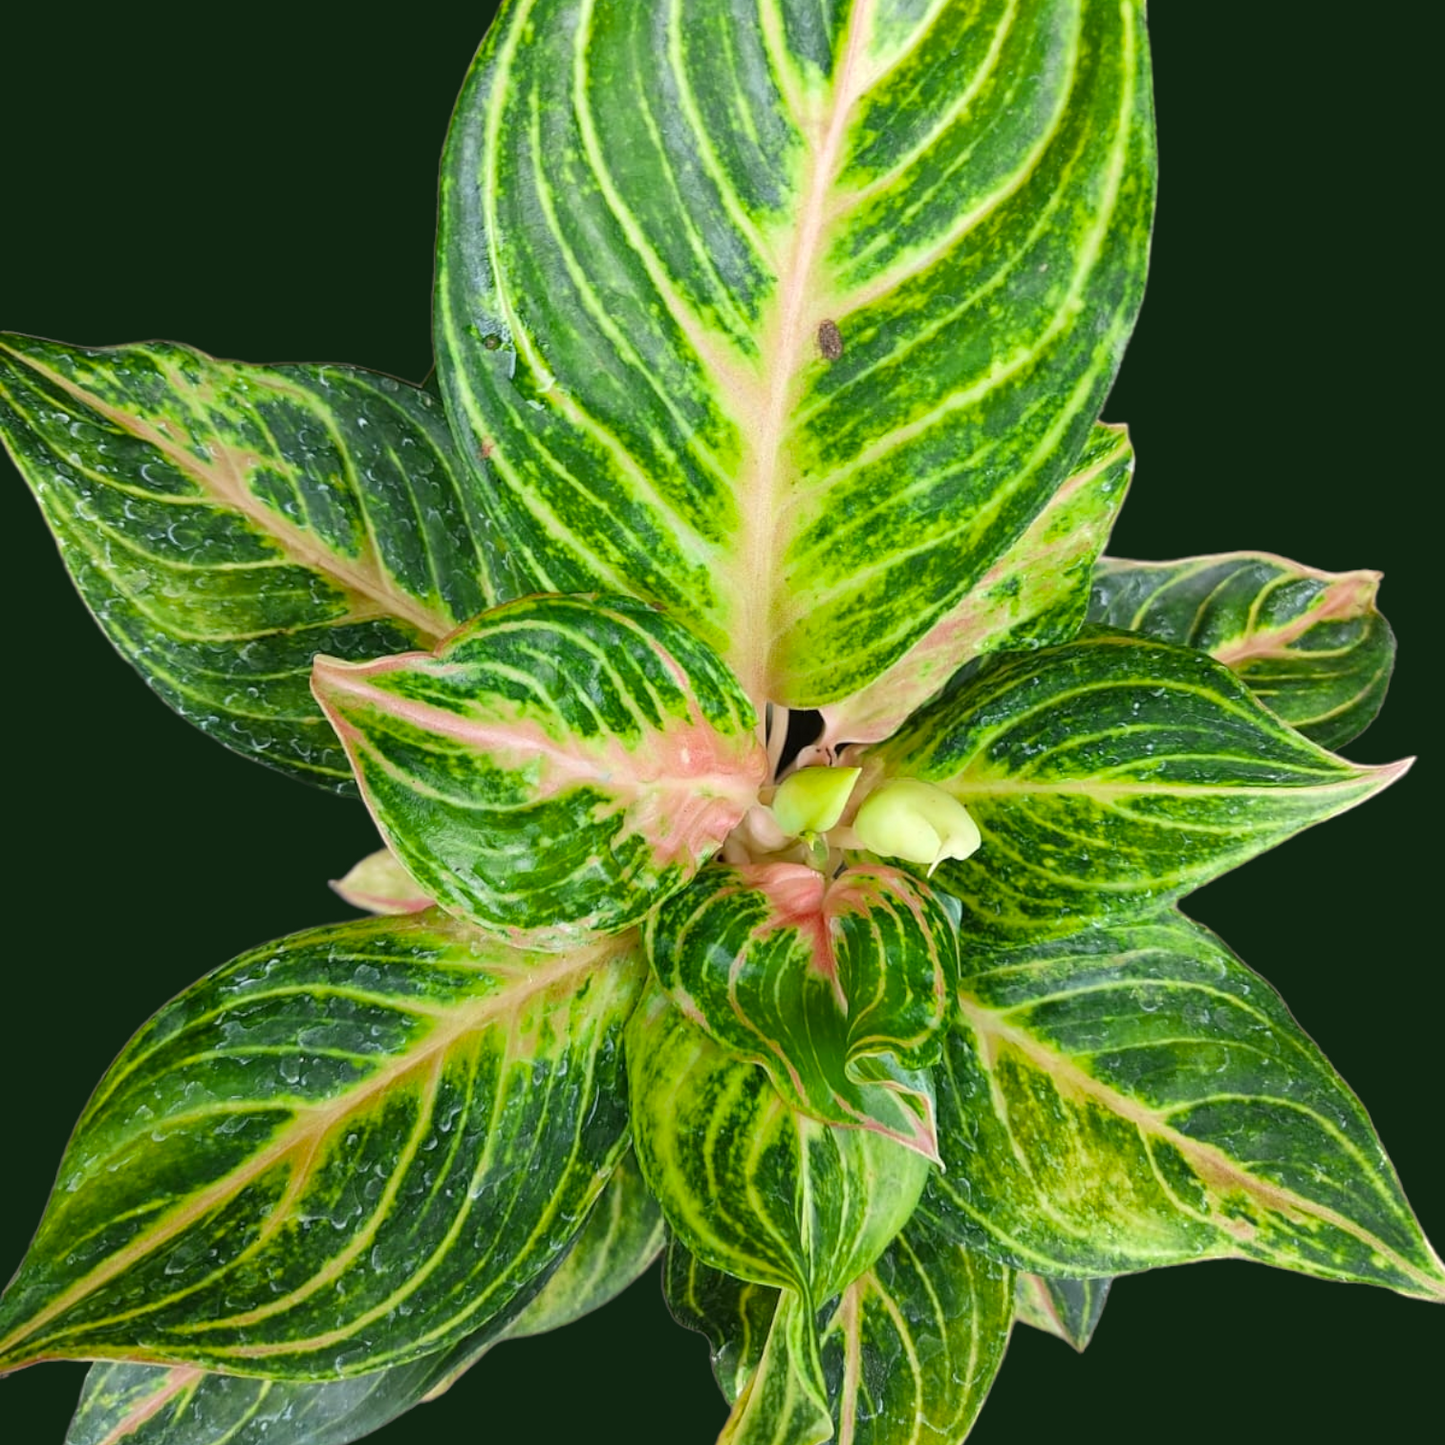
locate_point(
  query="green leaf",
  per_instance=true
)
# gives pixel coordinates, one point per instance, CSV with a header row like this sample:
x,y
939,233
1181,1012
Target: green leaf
x,y
557,767
623,1235
734,1314
126,1404
337,1153
1068,1308
225,523
154,1405
1134,1096
748,1183
1311,645
913,1345
789,318
785,1400
379,884
1107,776
840,988
909,1348
1035,595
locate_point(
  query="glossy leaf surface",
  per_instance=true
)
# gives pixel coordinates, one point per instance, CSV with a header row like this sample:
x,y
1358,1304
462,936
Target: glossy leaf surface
x,y
1068,1308
908,1349
840,988
557,768
225,523
1311,645
1134,1096
1035,595
748,1183
339,1152
1109,775
789,318
734,1314
126,1404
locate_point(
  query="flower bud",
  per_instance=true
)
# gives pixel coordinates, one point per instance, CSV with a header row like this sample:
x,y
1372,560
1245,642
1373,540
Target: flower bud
x,y
812,799
917,822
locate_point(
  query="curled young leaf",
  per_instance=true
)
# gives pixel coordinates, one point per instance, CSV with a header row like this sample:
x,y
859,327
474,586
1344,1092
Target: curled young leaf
x,y
556,768
340,1152
1311,645
840,988
1132,1096
797,344
1108,775
225,523
748,1183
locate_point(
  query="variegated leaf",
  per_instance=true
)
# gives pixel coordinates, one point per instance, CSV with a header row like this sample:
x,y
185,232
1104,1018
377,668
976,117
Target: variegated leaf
x,y
1035,595
128,1404
839,987
734,1314
785,1400
1310,644
379,884
225,523
1109,775
1133,1096
1068,1308
912,1346
909,1349
748,1183
339,1152
556,768
790,318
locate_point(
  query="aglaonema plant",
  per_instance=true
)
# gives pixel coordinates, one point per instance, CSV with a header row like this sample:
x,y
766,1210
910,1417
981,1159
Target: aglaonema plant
x,y
770,348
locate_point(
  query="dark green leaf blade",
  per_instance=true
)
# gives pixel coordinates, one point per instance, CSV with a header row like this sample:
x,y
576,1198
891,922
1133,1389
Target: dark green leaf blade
x,y
225,523
913,1345
790,320
1108,776
840,988
558,766
1134,1096
340,1152
128,1404
733,1314
1035,595
909,1348
1311,645
749,1184
1068,1308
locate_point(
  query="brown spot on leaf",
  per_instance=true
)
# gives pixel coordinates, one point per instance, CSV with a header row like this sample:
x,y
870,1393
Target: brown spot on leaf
x,y
830,341
487,447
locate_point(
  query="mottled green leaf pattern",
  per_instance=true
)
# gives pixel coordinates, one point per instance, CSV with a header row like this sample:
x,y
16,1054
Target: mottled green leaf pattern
x,y
126,1404
226,523
838,987
734,1314
1311,645
1035,595
556,768
1134,1096
908,1349
912,1346
340,1152
1109,775
789,319
746,1182
1068,1308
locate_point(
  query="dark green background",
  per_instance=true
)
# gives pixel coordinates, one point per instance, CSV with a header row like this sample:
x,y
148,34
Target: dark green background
x,y
262,186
